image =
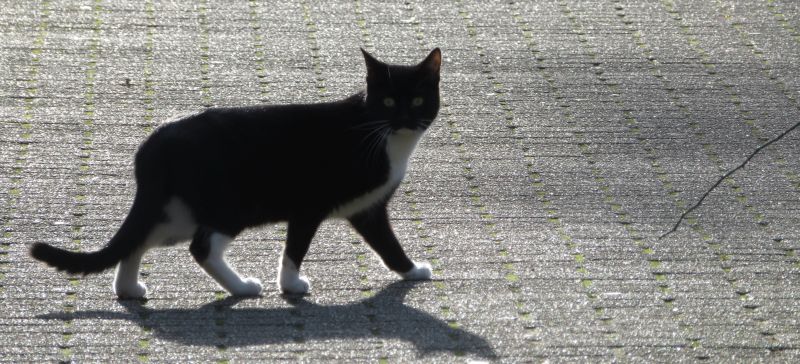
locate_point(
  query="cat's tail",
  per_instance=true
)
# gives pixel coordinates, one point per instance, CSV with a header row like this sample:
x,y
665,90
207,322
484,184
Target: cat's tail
x,y
129,237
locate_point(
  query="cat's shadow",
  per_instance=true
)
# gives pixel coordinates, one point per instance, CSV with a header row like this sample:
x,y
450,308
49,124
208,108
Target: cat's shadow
x,y
221,323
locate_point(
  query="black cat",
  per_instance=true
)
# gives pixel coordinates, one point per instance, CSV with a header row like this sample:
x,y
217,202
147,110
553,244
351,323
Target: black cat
x,y
208,176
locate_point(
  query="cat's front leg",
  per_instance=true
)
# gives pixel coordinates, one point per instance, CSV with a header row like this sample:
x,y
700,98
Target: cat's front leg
x,y
376,229
298,238
420,272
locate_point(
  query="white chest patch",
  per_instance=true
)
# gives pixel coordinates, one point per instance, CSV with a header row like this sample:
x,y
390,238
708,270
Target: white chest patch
x,y
399,147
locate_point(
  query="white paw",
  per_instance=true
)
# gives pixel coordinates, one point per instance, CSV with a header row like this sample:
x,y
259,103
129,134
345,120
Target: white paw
x,y
248,287
298,285
130,291
420,272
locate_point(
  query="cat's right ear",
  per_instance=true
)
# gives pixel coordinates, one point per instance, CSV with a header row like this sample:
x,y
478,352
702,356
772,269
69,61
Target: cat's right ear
x,y
374,66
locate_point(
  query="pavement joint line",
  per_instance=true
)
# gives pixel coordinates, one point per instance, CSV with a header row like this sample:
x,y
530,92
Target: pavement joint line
x,y
443,300
313,43
530,323
769,73
366,35
205,54
780,17
258,51
148,124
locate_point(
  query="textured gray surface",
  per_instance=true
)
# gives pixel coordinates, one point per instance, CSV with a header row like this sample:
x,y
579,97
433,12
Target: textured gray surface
x,y
572,134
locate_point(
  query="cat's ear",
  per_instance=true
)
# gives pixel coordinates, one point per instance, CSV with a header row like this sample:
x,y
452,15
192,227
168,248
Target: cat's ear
x,y
374,66
432,63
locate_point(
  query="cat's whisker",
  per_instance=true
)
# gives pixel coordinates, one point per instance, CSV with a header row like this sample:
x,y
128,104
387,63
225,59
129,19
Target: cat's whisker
x,y
378,136
381,141
373,132
370,124
424,123
375,139
368,139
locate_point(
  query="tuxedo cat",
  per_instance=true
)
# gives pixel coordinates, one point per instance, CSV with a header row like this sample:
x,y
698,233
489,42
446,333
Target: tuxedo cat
x,y
209,176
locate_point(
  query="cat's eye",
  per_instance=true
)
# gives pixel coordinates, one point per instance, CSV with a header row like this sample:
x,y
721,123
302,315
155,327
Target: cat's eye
x,y
417,101
388,102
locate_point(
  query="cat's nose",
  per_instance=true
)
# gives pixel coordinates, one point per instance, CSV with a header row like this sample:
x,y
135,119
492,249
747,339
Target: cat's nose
x,y
405,124
405,120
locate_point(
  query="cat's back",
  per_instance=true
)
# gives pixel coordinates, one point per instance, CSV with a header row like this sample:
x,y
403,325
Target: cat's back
x,y
280,121
269,124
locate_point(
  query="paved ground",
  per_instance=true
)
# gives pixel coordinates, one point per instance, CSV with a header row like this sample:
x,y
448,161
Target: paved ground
x,y
572,134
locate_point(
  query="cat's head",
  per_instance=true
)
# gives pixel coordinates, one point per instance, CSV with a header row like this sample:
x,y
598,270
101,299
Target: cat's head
x,y
407,97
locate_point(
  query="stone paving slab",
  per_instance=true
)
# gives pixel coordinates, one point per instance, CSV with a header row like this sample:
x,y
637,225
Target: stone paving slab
x,y
572,134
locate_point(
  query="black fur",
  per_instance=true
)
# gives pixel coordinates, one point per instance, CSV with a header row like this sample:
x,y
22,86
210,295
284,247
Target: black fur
x,y
201,245
374,226
241,167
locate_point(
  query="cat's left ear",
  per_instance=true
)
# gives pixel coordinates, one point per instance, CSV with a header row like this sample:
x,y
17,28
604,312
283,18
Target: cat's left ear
x,y
432,63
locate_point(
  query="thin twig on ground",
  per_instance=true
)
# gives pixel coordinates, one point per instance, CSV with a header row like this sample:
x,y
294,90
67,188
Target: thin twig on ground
x,y
726,175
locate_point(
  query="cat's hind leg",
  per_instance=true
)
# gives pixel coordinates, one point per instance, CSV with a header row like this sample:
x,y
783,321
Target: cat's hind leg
x,y
176,225
208,249
126,280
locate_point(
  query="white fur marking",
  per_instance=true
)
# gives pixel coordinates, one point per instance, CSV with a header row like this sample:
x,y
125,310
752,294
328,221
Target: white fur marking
x,y
180,225
216,266
399,147
289,278
126,280
420,272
